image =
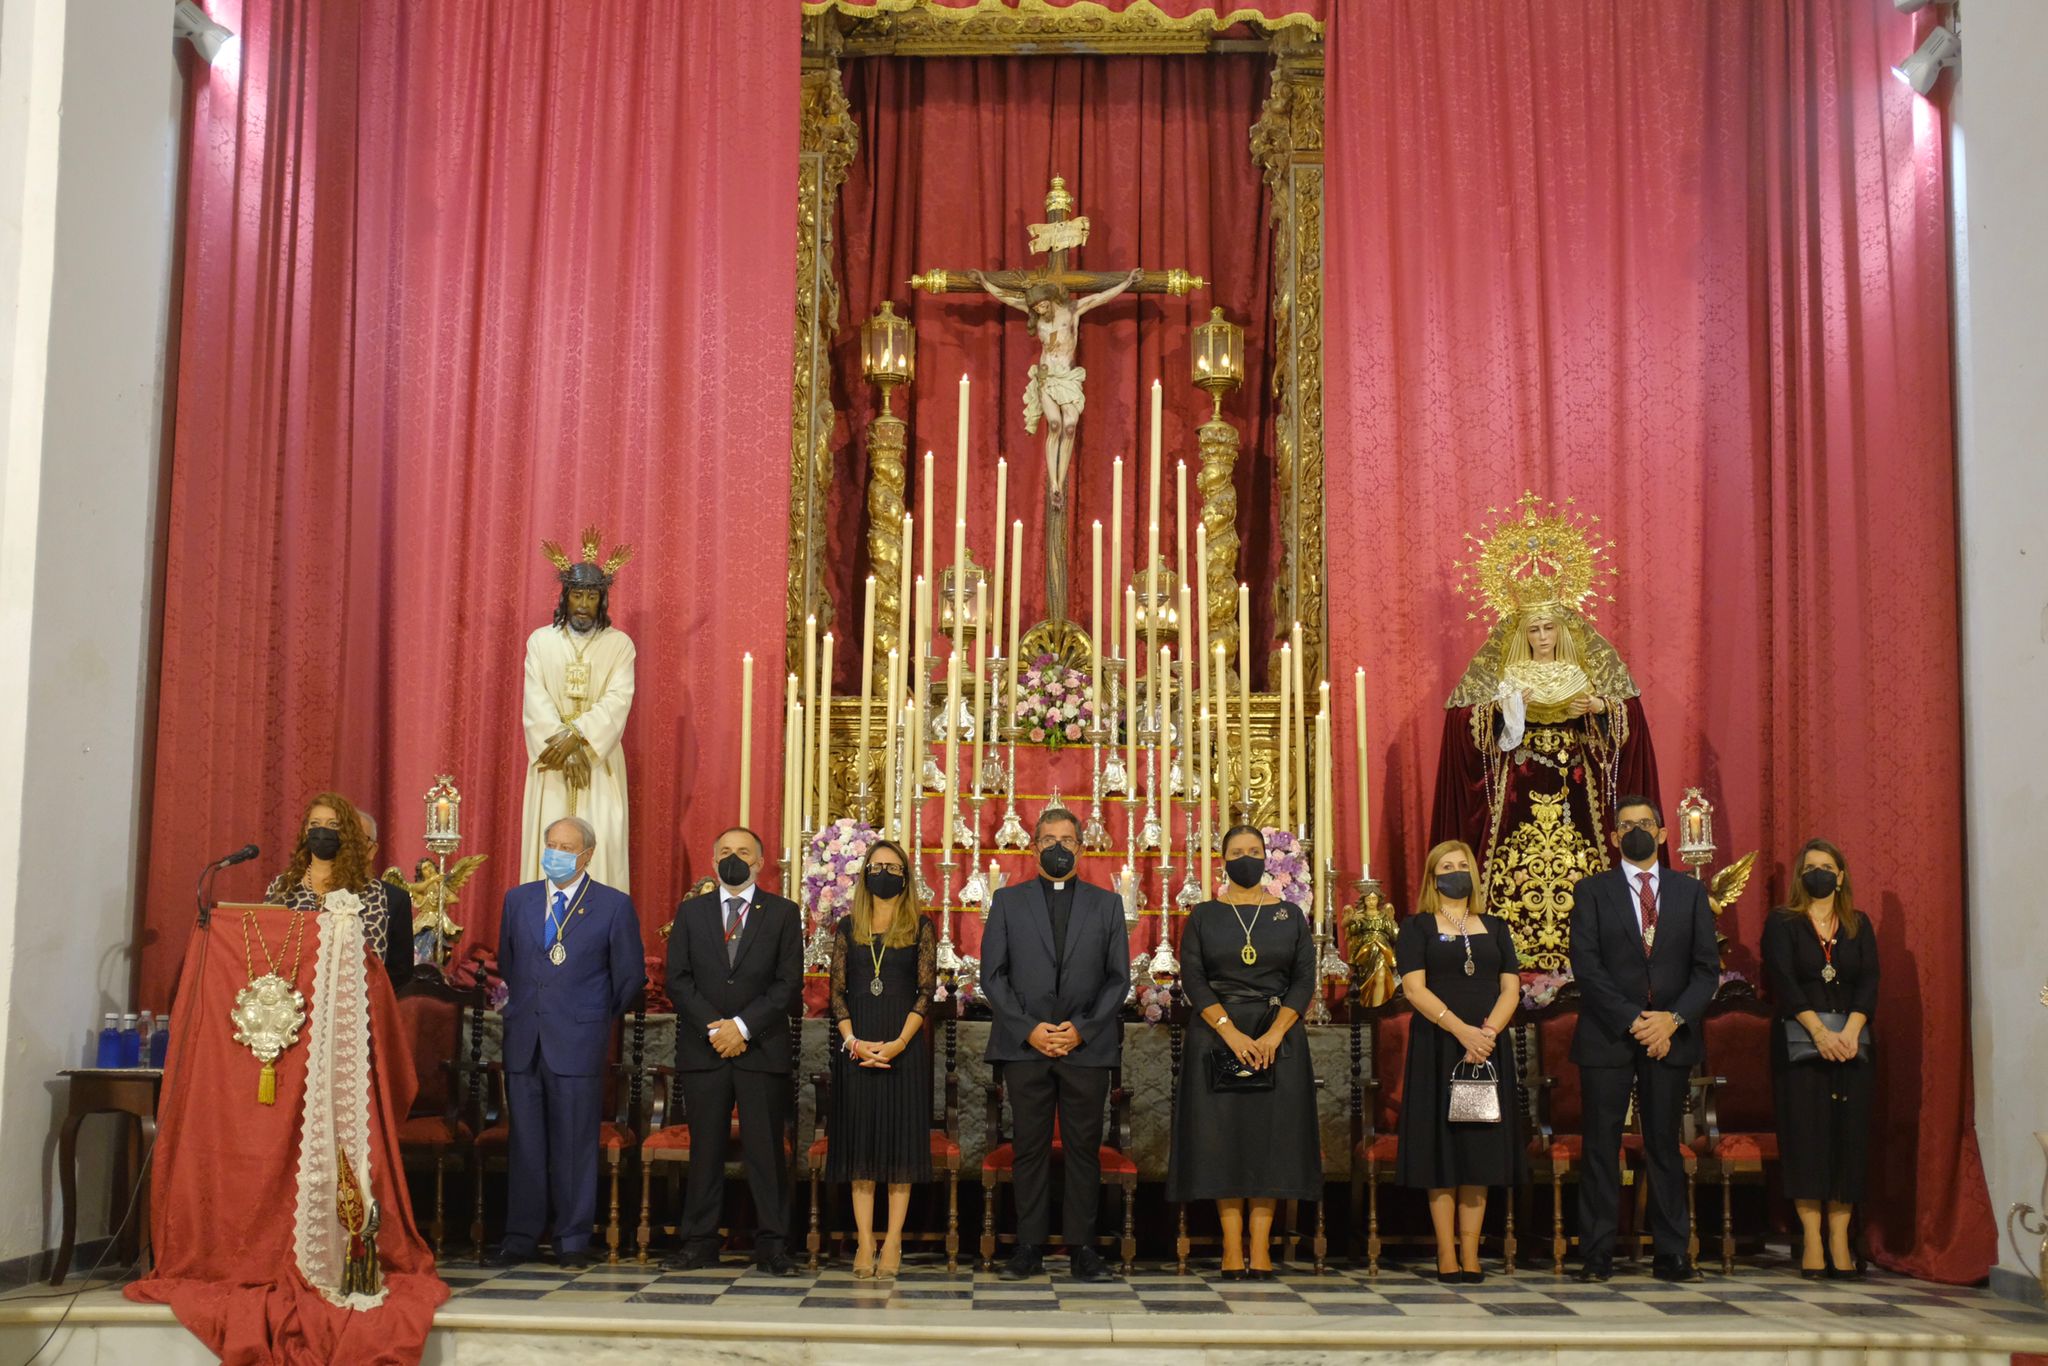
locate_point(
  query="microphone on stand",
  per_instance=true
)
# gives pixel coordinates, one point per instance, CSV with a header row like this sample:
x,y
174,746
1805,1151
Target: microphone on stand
x,y
241,855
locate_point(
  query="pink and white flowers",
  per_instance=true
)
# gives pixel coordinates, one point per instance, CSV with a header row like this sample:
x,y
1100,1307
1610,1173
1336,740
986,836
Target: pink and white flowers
x,y
831,867
1052,703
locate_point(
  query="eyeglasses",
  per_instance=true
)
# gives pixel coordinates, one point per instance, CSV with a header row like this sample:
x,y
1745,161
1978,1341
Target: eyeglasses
x,y
1070,841
885,867
1627,826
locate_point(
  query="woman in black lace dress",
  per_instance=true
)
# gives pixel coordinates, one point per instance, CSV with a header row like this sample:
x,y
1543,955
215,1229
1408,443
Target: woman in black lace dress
x,y
884,970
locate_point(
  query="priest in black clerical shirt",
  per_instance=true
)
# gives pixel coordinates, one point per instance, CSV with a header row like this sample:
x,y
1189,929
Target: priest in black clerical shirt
x,y
1055,969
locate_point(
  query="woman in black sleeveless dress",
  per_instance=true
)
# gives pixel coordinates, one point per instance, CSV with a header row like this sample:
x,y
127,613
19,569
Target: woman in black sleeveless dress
x,y
1462,979
1246,1148
884,971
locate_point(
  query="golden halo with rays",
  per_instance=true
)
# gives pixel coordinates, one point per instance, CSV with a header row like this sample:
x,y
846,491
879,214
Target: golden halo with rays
x,y
1536,554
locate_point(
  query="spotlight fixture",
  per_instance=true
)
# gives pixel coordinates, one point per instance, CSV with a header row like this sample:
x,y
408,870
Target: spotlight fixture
x,y
207,37
1941,48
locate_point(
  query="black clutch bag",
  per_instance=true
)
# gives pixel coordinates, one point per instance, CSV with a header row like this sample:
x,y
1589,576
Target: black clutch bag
x,y
1226,1073
1800,1047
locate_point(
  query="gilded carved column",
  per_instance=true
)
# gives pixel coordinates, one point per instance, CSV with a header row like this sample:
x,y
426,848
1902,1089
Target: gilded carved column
x,y
828,140
887,438
1219,445
1287,143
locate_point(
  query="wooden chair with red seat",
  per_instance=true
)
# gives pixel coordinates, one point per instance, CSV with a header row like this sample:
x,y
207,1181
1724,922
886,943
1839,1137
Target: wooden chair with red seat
x,y
1557,1144
998,1167
632,1089
667,1139
945,1140
448,1104
1379,1054
1737,1116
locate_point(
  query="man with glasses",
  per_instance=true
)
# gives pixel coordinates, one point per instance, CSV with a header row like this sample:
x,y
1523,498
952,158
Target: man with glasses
x,y
1644,957
1055,968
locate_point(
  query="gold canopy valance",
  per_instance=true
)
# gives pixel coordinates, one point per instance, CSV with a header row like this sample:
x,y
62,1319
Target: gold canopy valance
x,y
981,27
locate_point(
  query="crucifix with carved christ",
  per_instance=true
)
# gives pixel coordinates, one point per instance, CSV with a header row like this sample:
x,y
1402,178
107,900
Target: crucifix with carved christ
x,y
1053,297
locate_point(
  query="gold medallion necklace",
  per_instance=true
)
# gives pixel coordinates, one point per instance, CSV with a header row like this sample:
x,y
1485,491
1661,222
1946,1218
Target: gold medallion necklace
x,y
269,1012
1249,954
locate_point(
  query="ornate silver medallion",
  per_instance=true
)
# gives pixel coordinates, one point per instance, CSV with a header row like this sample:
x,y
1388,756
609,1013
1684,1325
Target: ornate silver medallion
x,y
558,955
875,986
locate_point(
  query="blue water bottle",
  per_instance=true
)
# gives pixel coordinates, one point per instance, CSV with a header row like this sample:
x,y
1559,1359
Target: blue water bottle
x,y
160,1042
131,1042
109,1052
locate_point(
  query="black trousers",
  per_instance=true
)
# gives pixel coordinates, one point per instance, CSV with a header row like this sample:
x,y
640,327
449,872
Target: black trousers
x,y
1039,1089
764,1103
1661,1090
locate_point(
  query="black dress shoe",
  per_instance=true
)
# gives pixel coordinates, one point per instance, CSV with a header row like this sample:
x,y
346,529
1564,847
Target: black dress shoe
x,y
775,1264
1675,1269
691,1259
1595,1270
1024,1264
577,1260
1086,1264
506,1256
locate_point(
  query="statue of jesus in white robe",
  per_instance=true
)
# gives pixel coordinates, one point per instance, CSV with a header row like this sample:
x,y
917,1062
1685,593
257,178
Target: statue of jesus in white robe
x,y
581,680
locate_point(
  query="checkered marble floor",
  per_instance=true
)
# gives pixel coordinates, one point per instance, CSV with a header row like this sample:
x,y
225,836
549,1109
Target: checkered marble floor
x,y
1771,1289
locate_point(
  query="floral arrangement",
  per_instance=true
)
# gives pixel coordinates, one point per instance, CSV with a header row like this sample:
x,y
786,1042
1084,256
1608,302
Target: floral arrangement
x,y
479,968
831,866
1288,877
1155,1001
1052,703
657,1001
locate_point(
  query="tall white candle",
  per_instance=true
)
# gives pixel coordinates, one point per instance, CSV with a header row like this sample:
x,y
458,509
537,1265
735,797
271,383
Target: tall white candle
x,y
1296,663
1364,792
891,742
960,460
1180,523
1164,659
1116,552
903,608
804,784
917,692
1097,645
981,634
1202,802
1244,686
1322,879
792,741
925,566
952,755
1283,787
1201,626
746,738
1130,689
1016,600
867,689
959,583
1219,693
825,734
995,594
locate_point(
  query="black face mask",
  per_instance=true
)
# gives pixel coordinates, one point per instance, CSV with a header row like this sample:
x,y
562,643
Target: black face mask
x,y
1057,860
1246,870
1456,886
1638,845
734,871
323,843
1819,882
885,884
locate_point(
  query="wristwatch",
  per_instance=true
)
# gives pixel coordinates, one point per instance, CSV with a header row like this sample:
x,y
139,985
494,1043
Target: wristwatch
x,y
1677,1020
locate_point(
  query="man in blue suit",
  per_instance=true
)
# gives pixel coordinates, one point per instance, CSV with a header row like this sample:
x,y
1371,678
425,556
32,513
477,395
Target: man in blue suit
x,y
569,949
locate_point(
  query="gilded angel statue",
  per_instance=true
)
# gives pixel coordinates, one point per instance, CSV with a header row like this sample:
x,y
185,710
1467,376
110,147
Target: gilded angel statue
x,y
433,930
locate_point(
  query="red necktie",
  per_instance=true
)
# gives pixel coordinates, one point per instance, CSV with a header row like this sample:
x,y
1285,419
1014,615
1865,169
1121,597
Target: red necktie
x,y
1646,898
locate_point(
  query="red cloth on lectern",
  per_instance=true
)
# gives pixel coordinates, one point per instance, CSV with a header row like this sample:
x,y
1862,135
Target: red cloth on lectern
x,y
226,1180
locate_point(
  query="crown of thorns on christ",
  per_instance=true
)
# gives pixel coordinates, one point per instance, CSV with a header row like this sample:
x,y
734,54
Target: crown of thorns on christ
x,y
590,572
1534,556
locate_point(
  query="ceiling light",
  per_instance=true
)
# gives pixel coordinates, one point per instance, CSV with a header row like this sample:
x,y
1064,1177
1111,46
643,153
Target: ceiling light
x,y
208,38
1941,48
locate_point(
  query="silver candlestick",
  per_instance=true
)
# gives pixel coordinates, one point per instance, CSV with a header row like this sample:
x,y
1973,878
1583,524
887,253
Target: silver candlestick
x,y
1095,835
947,959
1189,894
1148,834
924,889
1012,834
975,891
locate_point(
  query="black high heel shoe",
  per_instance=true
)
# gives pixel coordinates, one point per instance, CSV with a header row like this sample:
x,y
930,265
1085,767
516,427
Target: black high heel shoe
x,y
1851,1272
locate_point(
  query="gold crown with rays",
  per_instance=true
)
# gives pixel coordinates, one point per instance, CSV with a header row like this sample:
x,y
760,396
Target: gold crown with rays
x,y
1535,555
590,572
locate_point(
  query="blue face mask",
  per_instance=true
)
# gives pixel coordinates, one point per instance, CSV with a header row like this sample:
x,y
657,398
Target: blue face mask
x,y
558,864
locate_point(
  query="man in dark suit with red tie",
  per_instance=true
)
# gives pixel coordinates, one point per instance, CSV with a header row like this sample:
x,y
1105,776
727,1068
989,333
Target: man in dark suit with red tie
x,y
1644,957
569,949
735,973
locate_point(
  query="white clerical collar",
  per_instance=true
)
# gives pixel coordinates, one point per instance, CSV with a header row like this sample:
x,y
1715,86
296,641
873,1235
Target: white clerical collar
x,y
1059,886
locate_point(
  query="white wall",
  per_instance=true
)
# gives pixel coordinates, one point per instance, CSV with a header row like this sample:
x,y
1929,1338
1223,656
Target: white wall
x,y
88,155
2000,193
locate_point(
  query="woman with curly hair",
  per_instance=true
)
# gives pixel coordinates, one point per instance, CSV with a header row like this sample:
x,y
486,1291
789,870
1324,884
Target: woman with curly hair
x,y
333,853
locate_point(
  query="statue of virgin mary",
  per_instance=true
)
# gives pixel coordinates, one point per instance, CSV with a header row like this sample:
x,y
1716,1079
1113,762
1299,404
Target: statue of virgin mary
x,y
1544,731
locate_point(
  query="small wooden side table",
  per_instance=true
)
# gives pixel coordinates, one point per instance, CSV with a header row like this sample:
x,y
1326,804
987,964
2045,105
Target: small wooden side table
x,y
130,1091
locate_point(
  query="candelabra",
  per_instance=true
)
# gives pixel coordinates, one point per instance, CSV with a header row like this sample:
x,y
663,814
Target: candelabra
x,y
974,892
1095,835
1114,780
1695,830
444,837
947,959
1012,834
1148,834
1190,893
924,889
1165,967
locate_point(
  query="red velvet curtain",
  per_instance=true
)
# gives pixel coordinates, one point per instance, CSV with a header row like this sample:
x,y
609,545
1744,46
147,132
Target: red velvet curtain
x,y
955,158
461,276
1686,263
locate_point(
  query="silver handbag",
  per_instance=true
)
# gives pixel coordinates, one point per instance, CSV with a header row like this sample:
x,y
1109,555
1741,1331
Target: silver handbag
x,y
1475,1099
